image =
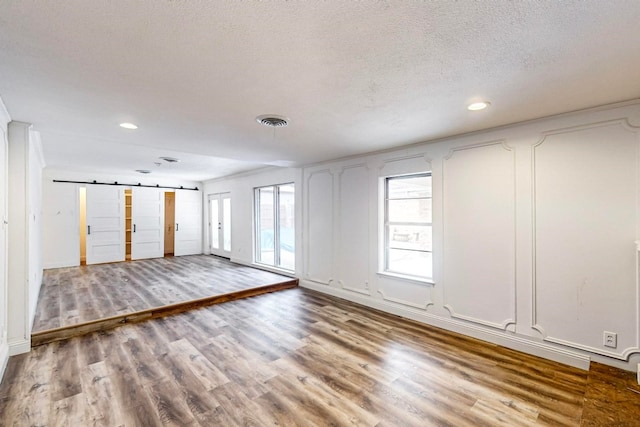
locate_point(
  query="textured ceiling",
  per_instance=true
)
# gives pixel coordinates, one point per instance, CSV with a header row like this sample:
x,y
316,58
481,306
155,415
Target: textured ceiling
x,y
353,77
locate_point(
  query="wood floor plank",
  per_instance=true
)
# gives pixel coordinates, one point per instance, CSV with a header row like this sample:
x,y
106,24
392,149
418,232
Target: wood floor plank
x,y
102,406
173,411
238,409
206,372
196,395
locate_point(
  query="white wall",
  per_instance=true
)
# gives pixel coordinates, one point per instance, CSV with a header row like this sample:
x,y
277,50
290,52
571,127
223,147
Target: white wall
x,y
61,216
25,250
534,233
36,164
4,302
241,188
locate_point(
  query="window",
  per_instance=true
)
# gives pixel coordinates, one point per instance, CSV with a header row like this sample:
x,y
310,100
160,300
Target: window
x,y
275,231
407,226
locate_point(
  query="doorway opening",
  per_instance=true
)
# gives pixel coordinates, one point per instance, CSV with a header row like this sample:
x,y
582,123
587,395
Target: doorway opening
x,y
82,194
169,223
127,224
220,224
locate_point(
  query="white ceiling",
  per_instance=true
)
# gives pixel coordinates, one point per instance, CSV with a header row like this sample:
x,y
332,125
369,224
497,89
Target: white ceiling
x,y
353,77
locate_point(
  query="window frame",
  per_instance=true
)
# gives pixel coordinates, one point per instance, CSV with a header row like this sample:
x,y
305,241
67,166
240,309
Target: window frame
x,y
387,224
257,256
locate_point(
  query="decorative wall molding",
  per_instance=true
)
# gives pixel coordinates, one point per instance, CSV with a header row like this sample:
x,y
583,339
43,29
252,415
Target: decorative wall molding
x,y
308,277
339,225
306,226
404,302
511,320
504,325
454,150
342,170
364,291
623,355
623,122
535,325
390,162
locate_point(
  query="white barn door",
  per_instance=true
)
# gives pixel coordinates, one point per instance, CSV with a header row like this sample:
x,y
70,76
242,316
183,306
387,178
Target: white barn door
x,y
105,224
188,240
147,223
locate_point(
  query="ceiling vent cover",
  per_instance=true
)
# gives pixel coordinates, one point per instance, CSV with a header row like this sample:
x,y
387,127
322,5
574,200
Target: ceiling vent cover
x,y
169,159
272,120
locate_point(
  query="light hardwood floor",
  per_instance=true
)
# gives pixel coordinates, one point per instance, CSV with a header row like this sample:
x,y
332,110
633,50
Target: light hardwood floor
x,y
73,295
301,358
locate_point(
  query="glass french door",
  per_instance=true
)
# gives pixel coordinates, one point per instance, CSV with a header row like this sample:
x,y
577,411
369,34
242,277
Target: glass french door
x,y
220,224
275,226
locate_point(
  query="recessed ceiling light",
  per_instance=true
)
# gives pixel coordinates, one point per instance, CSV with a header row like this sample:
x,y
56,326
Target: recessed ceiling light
x,y
477,106
169,159
272,120
144,171
128,126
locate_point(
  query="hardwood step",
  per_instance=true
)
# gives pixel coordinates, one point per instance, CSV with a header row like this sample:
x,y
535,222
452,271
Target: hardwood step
x,y
66,332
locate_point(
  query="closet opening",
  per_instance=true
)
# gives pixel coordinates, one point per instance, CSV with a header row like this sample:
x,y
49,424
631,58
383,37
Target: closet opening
x,y
169,223
127,224
82,194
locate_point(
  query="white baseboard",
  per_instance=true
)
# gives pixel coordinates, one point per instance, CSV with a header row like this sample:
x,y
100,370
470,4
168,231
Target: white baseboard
x,y
19,347
505,339
4,359
61,264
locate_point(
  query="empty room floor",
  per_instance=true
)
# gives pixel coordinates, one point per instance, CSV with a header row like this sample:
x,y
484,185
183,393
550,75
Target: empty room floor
x,y
301,358
73,295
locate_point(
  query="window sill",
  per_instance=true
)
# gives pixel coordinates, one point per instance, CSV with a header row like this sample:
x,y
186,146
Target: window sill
x,y
406,278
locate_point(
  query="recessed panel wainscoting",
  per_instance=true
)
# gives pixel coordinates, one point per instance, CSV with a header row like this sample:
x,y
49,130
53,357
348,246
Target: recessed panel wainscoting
x,y
534,235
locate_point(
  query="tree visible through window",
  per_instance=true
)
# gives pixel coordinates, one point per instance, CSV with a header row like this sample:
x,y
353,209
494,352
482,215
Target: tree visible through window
x,y
407,224
275,231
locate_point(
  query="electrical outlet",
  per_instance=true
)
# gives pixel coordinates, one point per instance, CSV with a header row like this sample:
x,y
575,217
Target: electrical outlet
x,y
610,339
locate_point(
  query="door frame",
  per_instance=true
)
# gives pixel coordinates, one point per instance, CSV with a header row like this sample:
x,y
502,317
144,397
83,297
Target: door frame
x,y
222,225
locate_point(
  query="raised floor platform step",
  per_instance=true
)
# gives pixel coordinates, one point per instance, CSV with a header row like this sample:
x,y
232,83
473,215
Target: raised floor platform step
x,y
66,332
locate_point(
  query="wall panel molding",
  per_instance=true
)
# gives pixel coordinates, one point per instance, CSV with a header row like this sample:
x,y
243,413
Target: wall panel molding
x,y
462,148
479,228
402,165
572,147
319,237
422,306
352,226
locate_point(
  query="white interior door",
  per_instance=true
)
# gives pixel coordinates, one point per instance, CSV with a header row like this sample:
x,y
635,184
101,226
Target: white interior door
x,y
105,224
147,223
220,224
188,237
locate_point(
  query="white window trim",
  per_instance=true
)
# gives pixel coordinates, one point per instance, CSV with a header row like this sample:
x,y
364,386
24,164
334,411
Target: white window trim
x,y
407,278
384,247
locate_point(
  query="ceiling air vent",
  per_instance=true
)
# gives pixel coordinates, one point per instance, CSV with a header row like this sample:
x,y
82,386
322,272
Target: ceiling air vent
x,y
272,120
169,159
